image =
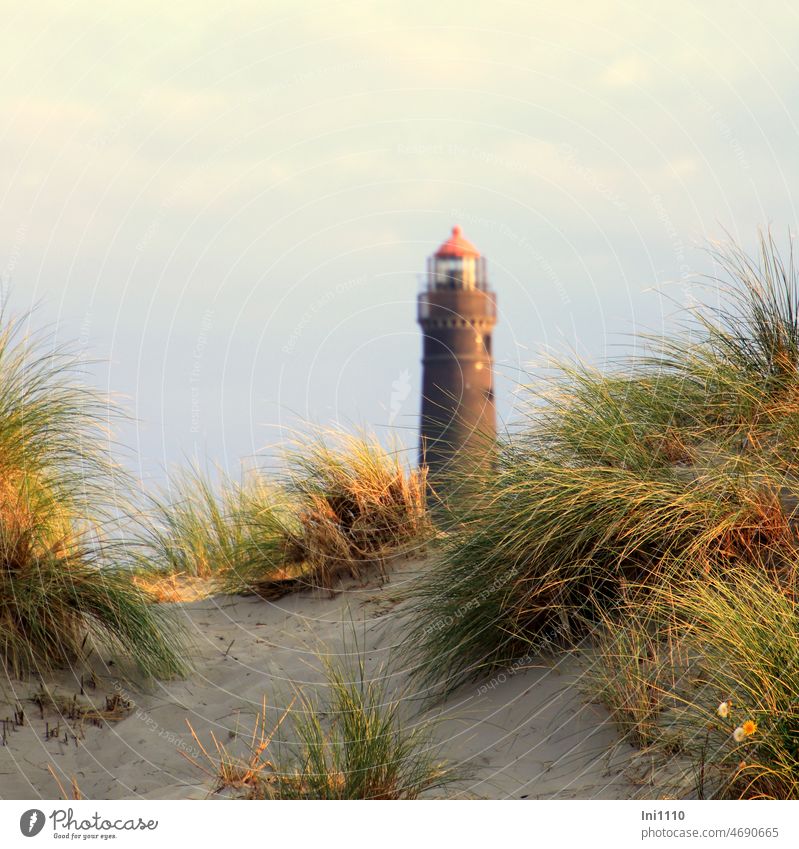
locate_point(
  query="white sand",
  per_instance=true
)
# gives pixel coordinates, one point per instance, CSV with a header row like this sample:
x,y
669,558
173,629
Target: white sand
x,y
525,733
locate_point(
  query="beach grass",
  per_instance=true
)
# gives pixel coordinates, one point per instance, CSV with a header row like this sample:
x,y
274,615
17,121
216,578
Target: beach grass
x,y
670,466
343,505
738,720
350,743
708,685
357,504
64,588
355,744
636,667
205,526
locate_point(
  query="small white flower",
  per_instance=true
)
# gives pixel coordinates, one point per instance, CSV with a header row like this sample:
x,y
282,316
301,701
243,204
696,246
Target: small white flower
x,y
739,735
723,710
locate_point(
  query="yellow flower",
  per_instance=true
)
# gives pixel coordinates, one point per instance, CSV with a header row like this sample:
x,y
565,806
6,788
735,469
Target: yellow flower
x,y
723,710
749,727
739,734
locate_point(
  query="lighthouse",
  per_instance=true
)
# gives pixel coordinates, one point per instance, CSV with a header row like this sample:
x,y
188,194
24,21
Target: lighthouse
x,y
457,312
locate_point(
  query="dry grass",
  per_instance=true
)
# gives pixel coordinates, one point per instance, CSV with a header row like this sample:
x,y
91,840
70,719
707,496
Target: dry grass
x,y
344,506
353,746
74,791
176,588
249,776
357,505
349,506
80,711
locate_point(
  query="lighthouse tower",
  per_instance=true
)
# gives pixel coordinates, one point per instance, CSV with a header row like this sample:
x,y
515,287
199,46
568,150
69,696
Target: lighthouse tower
x,y
457,313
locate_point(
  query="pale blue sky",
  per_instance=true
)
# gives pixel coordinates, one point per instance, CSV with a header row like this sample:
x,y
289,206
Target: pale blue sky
x,y
230,203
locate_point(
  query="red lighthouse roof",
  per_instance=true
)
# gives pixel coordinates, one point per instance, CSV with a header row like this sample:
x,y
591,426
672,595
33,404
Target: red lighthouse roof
x,y
457,246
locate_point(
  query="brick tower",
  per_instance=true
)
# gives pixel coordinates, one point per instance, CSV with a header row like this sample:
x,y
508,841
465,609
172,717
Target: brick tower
x,y
457,313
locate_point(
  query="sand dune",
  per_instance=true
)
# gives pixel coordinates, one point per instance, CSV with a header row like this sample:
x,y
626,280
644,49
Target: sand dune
x,y
527,732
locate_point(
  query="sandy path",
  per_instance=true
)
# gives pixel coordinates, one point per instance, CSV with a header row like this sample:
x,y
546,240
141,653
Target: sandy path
x,y
525,733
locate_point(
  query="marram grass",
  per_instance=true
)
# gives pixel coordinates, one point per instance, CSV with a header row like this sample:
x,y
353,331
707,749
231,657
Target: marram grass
x,y
635,668
352,743
62,592
356,744
554,546
203,528
712,685
344,505
674,466
54,610
357,505
744,732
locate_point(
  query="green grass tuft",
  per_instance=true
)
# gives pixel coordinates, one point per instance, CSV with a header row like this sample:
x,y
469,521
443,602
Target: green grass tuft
x,y
356,745
351,744
230,529
62,591
744,630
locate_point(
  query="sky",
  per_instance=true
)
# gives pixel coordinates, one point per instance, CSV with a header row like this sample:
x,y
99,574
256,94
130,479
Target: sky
x,y
229,206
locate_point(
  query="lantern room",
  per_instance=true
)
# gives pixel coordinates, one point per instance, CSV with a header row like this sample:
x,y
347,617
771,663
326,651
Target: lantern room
x,y
457,264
